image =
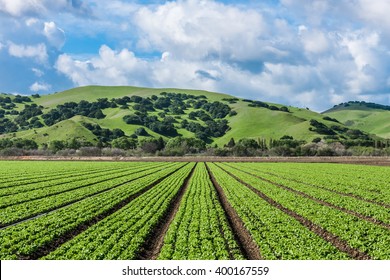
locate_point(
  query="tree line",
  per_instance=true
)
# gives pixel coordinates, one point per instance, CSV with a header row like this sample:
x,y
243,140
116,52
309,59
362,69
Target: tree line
x,y
179,146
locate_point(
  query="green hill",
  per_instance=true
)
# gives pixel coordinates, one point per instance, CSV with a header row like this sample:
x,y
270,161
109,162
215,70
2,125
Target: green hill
x,y
105,110
370,117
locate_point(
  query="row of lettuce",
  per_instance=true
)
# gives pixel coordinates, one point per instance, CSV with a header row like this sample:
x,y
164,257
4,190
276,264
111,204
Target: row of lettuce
x,y
110,210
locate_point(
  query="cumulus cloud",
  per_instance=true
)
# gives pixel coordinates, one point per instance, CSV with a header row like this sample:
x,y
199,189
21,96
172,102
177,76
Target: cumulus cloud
x,y
38,52
109,68
374,12
19,8
298,52
35,87
199,29
55,35
314,41
371,62
31,21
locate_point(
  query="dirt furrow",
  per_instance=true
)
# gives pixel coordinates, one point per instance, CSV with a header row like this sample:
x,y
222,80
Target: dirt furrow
x,y
323,233
152,247
319,201
248,246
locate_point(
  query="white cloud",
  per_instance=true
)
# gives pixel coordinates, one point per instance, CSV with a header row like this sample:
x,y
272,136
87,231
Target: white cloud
x,y
198,29
165,56
109,68
37,52
55,35
19,8
31,21
371,62
40,87
374,12
37,72
307,53
314,41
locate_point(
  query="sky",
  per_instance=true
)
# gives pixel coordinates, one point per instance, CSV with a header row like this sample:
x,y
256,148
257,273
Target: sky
x,y
304,53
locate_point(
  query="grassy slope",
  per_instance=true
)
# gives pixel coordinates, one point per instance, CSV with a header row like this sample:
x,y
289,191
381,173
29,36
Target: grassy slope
x,y
374,121
91,93
249,122
63,130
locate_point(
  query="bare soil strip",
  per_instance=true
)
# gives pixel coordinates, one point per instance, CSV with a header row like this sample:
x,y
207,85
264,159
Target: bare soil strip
x,y
365,160
57,242
327,189
74,189
248,246
153,244
326,235
353,213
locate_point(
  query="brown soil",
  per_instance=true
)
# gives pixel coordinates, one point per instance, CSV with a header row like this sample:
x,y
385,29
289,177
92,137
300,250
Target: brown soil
x,y
248,247
57,242
342,209
385,161
152,247
326,235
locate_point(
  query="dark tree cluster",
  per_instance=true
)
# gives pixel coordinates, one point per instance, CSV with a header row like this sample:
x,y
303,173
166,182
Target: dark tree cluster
x,y
7,126
6,103
213,128
217,109
201,114
18,143
71,109
357,134
179,146
231,100
175,104
286,141
169,103
29,112
20,99
363,103
320,128
330,119
104,135
152,145
261,104
164,127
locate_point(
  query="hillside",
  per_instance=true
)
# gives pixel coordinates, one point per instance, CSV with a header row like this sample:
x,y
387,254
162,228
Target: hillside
x,y
97,113
370,117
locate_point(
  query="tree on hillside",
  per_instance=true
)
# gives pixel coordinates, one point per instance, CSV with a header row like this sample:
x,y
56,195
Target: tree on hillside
x,y
124,143
231,143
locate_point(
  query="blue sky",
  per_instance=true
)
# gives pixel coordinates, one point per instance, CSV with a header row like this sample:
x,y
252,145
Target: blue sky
x,y
305,53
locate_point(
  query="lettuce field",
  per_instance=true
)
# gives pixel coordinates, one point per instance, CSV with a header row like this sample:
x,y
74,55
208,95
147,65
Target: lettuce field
x,y
188,210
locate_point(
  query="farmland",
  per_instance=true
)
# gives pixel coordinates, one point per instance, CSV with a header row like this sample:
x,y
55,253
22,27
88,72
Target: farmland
x,y
193,210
